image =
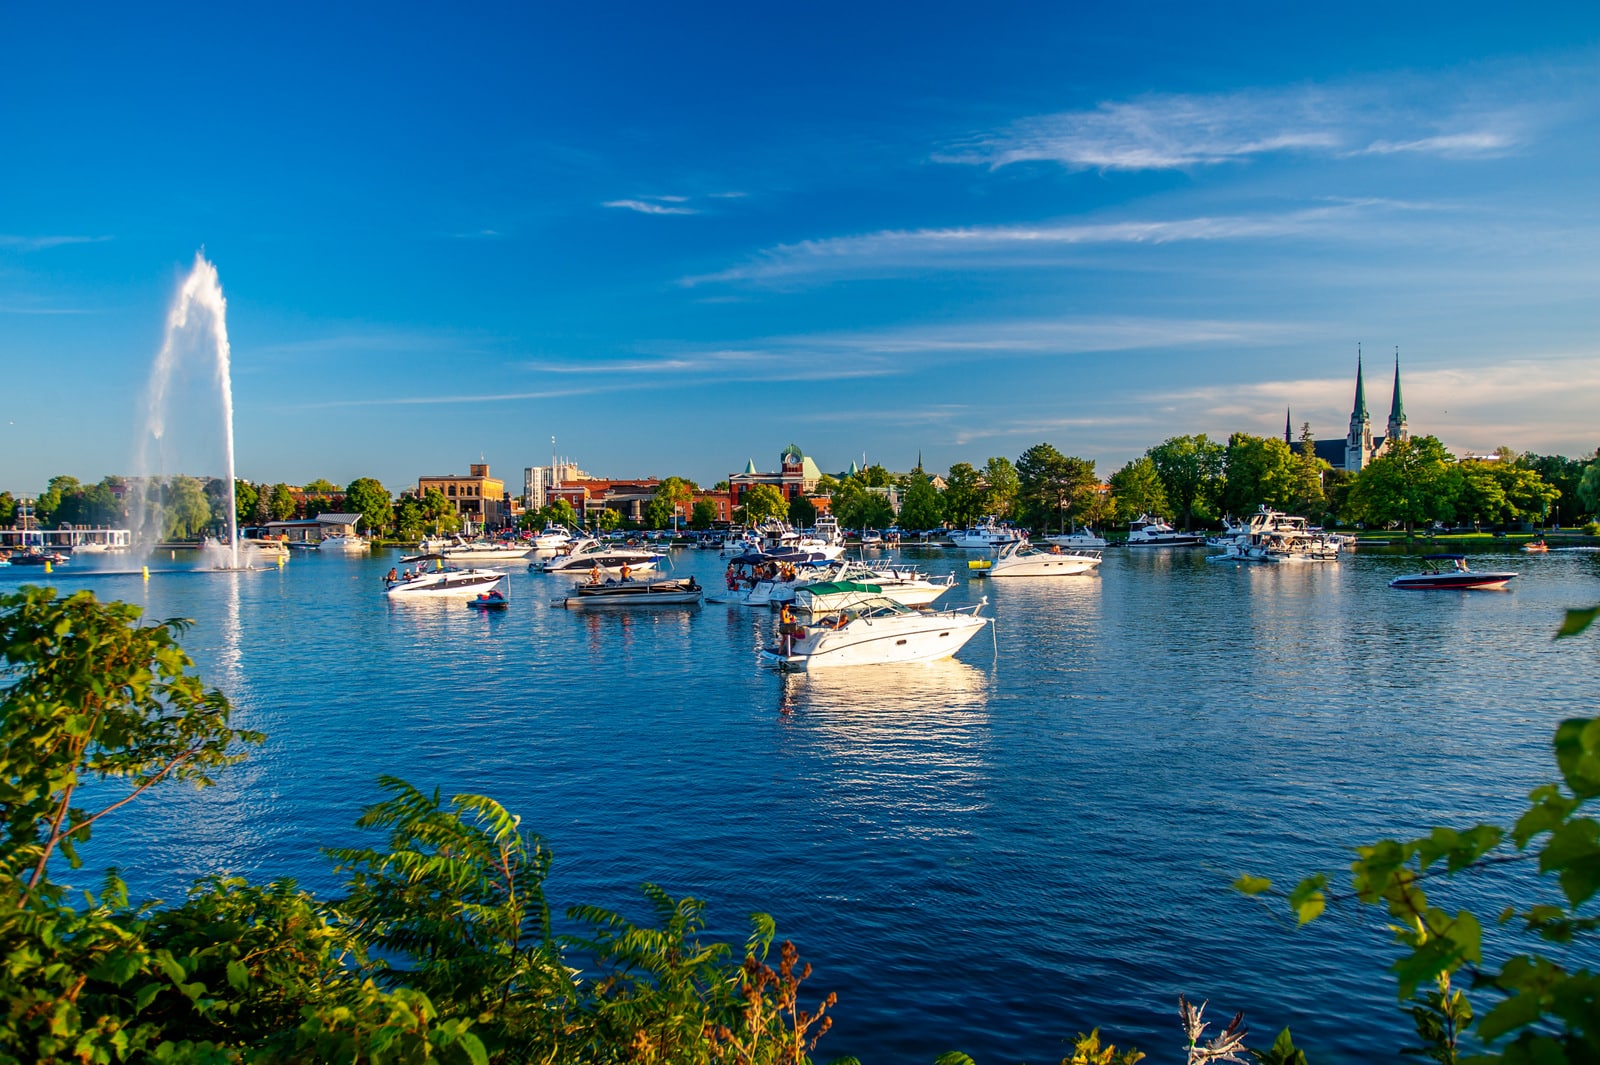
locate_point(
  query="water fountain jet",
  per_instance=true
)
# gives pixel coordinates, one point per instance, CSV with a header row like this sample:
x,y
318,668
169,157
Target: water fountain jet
x,y
197,322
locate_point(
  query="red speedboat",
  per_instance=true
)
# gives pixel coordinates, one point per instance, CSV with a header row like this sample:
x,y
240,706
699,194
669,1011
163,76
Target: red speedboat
x,y
1450,571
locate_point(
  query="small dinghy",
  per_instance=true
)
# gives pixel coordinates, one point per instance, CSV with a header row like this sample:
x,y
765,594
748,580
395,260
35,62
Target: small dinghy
x,y
494,599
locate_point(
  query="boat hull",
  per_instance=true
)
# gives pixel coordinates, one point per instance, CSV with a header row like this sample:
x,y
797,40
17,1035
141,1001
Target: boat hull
x,y
449,584
664,592
870,641
1421,582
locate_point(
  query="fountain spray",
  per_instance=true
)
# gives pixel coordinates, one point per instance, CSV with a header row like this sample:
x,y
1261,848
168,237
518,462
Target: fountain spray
x,y
199,313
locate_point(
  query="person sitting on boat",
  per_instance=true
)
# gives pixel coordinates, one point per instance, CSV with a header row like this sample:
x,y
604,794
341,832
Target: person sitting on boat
x,y
594,574
392,577
1055,549
1461,565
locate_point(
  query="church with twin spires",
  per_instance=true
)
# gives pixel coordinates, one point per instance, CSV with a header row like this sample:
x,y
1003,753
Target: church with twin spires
x,y
1359,447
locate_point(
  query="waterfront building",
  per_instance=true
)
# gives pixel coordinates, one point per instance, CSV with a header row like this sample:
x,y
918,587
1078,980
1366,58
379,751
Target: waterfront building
x,y
797,475
477,497
537,481
311,530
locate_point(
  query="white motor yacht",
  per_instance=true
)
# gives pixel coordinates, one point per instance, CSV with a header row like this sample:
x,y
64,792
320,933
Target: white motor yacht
x,y
1078,540
333,545
1023,560
1273,536
487,551
987,535
448,584
552,537
589,554
1146,531
877,630
761,579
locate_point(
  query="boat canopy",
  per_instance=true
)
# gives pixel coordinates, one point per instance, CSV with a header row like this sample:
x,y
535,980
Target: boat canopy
x,y
1444,558
830,587
795,558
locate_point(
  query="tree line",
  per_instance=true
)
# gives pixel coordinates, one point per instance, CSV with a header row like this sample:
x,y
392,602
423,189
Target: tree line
x,y
1190,480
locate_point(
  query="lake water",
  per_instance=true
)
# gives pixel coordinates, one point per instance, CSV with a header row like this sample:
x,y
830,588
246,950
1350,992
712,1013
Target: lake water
x,y
988,854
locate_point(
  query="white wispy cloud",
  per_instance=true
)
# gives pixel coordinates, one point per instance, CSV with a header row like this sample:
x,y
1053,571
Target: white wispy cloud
x,y
26,243
958,246
654,205
1183,131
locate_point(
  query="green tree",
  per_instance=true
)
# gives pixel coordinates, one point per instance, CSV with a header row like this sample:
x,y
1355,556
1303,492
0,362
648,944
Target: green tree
x,y
1191,469
764,503
963,494
281,502
185,509
921,508
672,496
246,501
1589,488
8,509
875,476
1260,471
321,487
1309,474
411,521
49,501
371,500
1000,495
705,513
608,520
1053,485
1413,481
802,512
441,513
1136,490
559,512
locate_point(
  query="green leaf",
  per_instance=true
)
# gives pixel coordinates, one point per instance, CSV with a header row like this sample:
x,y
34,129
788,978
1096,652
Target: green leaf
x,y
1509,1015
953,1057
1251,885
1577,621
238,975
1577,745
1307,900
473,1046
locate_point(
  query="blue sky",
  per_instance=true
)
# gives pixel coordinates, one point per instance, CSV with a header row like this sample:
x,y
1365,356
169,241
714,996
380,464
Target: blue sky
x,y
679,238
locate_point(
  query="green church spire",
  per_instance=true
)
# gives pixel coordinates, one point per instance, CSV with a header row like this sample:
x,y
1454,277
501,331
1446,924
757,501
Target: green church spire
x,y
1360,410
1397,408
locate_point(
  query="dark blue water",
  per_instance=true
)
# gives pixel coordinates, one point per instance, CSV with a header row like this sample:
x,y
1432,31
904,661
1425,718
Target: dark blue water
x,y
989,854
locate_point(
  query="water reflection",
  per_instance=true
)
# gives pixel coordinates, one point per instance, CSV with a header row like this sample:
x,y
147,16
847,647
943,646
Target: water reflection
x,y
887,696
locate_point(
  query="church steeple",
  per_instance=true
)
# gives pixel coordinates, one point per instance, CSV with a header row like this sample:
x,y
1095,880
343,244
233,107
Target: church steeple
x,y
1397,408
1358,442
1288,432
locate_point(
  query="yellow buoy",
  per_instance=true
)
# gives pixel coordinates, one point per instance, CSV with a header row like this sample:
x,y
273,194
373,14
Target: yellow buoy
x,y
47,565
145,572
979,563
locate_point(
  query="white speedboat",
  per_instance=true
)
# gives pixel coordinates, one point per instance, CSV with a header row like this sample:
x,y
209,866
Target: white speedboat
x,y
1078,540
487,551
448,584
987,535
1146,531
589,555
1447,572
1023,560
875,631
333,545
553,537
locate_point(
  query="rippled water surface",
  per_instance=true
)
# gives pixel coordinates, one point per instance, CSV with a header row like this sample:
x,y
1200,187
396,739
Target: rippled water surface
x,y
988,854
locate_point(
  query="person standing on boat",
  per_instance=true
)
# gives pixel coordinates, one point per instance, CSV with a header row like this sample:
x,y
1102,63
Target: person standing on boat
x,y
627,573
